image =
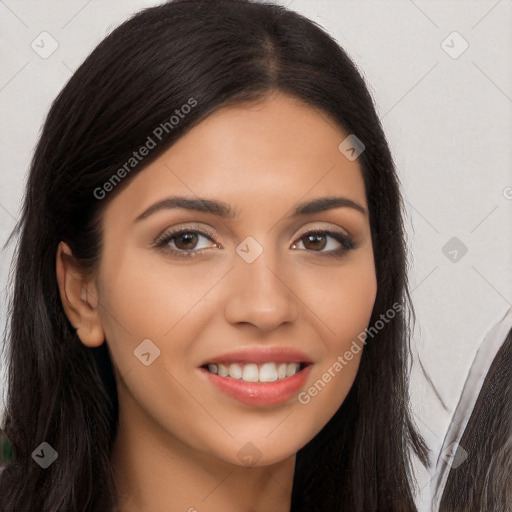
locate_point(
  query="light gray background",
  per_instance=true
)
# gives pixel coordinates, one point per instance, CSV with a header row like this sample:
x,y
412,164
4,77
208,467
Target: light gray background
x,y
448,121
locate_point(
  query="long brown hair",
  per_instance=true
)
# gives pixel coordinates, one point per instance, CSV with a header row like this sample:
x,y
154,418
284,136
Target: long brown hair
x,y
483,482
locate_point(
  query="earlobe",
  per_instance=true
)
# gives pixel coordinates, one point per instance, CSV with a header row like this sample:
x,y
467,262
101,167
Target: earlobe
x,y
79,297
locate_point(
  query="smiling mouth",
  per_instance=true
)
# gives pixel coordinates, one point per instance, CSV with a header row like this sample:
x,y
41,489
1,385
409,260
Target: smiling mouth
x,y
252,372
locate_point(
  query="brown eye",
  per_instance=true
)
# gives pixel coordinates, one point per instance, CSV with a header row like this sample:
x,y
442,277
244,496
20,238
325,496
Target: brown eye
x,y
186,241
317,241
314,242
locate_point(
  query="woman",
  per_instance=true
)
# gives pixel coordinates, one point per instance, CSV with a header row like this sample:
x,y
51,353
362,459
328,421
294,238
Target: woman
x,y
265,370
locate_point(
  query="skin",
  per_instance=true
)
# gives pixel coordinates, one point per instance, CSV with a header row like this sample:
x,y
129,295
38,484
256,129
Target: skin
x,y
179,436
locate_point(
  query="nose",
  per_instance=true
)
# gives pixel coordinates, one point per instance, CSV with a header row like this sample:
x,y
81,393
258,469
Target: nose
x,y
260,295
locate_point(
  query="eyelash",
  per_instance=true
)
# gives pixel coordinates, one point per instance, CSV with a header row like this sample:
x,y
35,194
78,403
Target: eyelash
x,y
163,240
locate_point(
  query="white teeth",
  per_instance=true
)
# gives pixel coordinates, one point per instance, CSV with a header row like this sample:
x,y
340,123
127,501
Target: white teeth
x,y
222,370
235,371
292,369
251,372
268,372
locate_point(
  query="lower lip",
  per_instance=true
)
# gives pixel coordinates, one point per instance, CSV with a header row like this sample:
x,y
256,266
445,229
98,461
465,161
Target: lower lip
x,y
260,393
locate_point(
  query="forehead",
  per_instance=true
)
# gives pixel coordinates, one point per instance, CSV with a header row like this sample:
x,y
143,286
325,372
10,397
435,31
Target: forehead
x,y
272,149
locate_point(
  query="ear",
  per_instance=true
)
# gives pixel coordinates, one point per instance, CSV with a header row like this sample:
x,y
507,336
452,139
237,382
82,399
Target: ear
x,y
79,297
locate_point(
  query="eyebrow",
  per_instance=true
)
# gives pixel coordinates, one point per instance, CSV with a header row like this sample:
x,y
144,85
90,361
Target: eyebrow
x,y
224,210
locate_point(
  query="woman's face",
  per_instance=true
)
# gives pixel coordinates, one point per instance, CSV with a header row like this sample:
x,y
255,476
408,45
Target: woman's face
x,y
250,291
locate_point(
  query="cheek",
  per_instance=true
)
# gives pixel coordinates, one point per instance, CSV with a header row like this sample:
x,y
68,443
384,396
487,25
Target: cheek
x,y
344,304
144,300
340,300
157,301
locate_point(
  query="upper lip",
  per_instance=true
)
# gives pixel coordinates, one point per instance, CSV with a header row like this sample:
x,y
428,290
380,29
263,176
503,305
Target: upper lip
x,y
261,355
